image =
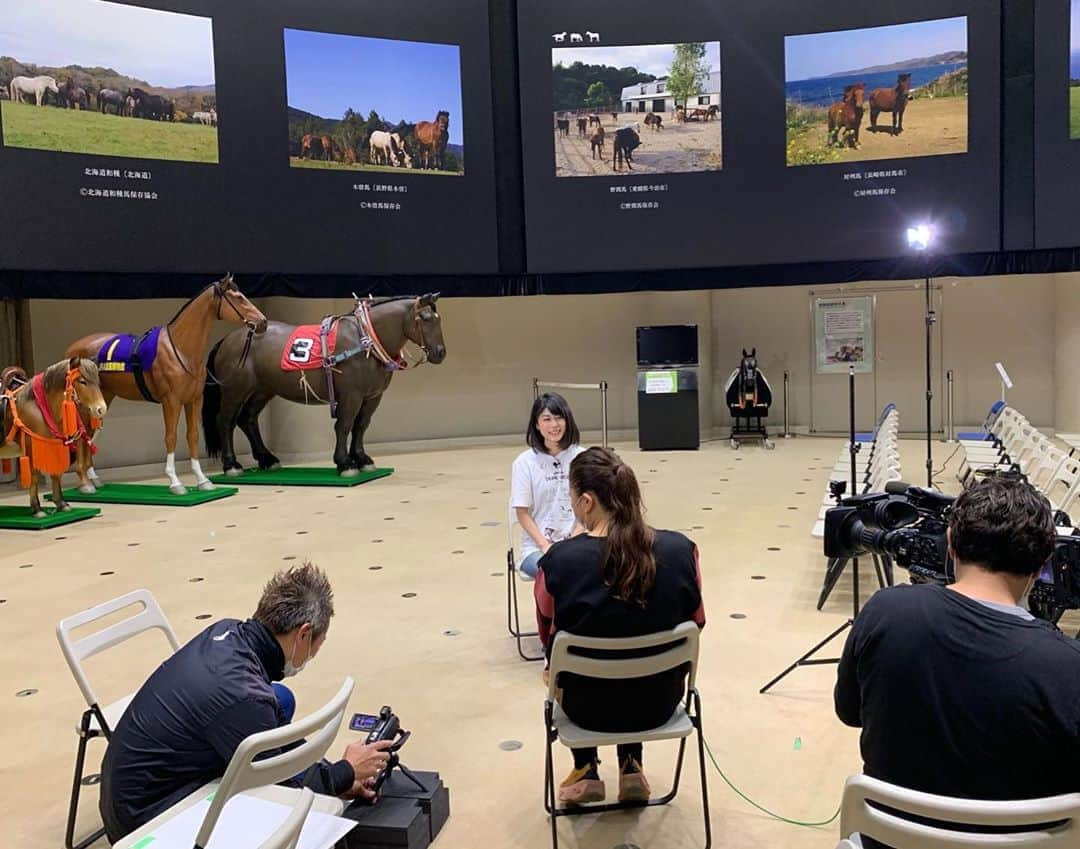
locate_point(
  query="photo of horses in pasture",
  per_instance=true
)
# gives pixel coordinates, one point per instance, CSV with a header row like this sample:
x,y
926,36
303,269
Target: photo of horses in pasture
x,y
638,109
878,93
373,104
1074,70
103,78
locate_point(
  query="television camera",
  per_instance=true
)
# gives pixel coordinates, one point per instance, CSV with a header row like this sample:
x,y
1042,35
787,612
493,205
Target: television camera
x,y
907,524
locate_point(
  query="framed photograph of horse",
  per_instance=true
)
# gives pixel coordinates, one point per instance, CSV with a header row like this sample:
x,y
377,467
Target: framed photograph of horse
x,y
92,77
886,92
395,105
636,109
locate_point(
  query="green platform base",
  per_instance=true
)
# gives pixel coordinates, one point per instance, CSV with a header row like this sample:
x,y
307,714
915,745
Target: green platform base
x,y
21,519
154,495
300,476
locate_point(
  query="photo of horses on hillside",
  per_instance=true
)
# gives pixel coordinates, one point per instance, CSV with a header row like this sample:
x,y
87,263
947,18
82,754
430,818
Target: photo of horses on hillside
x,y
1074,69
394,106
109,79
885,92
636,109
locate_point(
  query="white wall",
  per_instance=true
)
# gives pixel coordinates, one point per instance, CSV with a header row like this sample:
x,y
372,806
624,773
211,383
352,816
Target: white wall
x,y
497,345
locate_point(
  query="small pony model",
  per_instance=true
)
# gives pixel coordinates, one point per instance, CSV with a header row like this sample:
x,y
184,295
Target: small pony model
x,y
52,416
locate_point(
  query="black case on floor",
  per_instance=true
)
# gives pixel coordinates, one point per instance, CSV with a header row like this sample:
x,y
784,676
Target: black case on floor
x,y
435,802
389,824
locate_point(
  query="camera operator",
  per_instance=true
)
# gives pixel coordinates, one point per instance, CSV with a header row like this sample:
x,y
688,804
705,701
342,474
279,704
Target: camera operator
x,y
958,690
184,724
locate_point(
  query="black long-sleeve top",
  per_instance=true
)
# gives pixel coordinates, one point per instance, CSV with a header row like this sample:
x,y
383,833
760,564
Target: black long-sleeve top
x,y
188,719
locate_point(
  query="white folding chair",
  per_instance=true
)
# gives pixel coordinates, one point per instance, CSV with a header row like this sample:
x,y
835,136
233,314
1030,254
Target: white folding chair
x,y
288,835
676,647
247,771
98,721
893,828
513,615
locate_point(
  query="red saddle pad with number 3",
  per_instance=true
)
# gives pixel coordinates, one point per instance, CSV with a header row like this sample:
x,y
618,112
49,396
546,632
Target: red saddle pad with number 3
x,y
304,349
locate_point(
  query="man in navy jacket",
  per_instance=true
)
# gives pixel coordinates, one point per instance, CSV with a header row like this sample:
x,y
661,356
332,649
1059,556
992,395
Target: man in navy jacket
x,y
186,721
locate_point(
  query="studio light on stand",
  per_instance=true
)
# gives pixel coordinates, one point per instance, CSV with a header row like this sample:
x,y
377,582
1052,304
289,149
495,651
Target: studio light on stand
x,y
919,238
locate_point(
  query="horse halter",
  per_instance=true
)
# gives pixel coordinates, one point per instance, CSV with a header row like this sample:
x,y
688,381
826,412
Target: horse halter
x,y
419,321
222,295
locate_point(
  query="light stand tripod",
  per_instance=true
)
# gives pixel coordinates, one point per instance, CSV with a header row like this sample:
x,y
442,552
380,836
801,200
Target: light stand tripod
x,y
930,319
808,659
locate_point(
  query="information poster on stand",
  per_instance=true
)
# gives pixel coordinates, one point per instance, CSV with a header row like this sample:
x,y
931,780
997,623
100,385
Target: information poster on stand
x,y
844,335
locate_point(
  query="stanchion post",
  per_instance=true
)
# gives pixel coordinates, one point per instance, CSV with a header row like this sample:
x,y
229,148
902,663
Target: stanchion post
x,y
787,422
950,432
603,412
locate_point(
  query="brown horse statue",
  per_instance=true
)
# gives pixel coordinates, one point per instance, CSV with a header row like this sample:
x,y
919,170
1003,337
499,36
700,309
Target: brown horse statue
x,y
892,100
432,136
285,362
168,366
49,415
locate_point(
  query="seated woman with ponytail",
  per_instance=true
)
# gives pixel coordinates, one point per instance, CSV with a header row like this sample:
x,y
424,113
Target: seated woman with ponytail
x,y
620,578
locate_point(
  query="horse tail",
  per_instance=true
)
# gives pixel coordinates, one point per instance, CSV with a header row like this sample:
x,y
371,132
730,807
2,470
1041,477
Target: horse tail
x,y
211,407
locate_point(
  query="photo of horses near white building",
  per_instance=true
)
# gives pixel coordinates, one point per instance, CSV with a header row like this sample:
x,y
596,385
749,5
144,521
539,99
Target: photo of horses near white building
x,y
650,109
92,77
396,105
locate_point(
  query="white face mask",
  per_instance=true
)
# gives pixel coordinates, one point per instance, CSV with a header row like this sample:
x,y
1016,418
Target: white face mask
x,y
290,669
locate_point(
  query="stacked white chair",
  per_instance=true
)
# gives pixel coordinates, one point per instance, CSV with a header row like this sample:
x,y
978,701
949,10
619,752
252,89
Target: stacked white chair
x,y
1014,444
873,468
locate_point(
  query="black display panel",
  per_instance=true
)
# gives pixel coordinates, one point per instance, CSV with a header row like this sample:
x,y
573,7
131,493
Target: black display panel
x,y
667,344
1057,123
300,136
761,178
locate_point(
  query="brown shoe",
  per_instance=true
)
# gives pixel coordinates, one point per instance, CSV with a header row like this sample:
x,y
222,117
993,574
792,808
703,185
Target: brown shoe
x,y
633,786
578,788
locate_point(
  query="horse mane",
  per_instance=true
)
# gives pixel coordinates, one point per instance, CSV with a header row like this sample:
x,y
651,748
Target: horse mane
x,y
190,301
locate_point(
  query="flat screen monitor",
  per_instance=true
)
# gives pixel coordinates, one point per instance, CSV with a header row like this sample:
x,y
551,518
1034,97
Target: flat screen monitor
x,y
667,344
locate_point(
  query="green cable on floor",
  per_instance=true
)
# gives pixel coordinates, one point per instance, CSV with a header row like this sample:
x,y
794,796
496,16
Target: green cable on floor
x,y
764,810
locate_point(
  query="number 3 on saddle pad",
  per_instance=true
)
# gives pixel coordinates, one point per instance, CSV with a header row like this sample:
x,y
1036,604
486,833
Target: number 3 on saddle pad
x,y
303,350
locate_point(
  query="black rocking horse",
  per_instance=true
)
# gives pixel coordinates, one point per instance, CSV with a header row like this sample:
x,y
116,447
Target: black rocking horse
x,y
748,396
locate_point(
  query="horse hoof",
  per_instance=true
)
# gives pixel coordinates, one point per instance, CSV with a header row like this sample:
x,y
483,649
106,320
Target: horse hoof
x,y
87,489
178,489
368,467
349,473
206,486
65,508
40,514
234,472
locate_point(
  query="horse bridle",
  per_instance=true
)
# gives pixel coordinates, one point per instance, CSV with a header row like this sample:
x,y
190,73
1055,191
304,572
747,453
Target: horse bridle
x,y
221,295
422,345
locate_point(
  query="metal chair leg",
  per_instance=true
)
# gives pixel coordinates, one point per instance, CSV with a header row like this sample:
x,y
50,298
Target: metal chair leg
x,y
513,615
704,773
85,734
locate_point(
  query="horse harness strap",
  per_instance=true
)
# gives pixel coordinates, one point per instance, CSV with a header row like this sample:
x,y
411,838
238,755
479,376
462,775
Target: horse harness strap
x,y
50,454
369,344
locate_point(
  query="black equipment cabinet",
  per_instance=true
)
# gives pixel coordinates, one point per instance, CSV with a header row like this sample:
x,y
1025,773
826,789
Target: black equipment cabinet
x,y
668,409
667,387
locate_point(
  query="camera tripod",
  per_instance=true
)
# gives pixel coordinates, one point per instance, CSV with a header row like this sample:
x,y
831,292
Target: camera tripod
x,y
808,659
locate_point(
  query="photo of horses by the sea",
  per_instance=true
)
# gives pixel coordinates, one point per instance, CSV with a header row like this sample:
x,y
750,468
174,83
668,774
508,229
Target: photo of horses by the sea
x,y
884,92
373,104
636,109
103,78
1074,70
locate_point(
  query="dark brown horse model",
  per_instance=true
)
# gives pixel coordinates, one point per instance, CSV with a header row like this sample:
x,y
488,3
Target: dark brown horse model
x,y
432,137
167,365
290,362
845,117
892,100
49,415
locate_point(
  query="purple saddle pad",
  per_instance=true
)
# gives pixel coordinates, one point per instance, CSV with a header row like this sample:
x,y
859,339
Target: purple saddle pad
x,y
126,352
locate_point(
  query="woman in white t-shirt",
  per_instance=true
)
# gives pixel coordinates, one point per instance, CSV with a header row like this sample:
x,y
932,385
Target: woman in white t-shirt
x,y
540,479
